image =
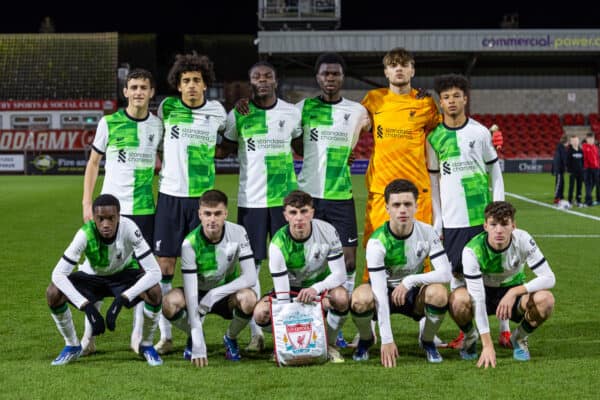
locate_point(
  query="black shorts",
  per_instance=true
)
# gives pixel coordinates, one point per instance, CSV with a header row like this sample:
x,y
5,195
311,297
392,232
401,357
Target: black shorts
x,y
221,307
408,308
97,287
455,240
342,215
175,218
493,295
146,225
258,222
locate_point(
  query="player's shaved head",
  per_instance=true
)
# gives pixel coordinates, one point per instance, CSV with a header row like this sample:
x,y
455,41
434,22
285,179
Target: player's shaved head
x,y
265,64
106,200
330,58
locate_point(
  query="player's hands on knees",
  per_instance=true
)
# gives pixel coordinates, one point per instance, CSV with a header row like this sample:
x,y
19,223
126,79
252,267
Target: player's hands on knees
x,y
504,309
96,320
242,107
389,353
114,310
487,357
307,295
399,295
200,362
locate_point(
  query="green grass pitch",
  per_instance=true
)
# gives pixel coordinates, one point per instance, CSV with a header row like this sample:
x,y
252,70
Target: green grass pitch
x,y
40,215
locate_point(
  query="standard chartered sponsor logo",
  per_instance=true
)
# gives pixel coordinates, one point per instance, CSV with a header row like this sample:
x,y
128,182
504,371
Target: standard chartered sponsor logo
x,y
266,144
458,166
334,136
136,157
397,133
196,134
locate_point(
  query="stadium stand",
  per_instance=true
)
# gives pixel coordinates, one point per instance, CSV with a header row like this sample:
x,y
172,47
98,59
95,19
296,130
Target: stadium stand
x,y
58,66
525,135
594,120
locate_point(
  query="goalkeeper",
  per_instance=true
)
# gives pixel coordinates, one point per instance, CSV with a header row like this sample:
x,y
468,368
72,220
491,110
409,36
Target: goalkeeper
x,y
124,268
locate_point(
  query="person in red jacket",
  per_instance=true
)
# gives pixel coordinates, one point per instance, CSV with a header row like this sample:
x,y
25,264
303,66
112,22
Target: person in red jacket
x,y
591,168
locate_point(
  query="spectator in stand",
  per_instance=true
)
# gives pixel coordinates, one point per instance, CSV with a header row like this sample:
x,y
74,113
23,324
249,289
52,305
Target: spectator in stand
x,y
591,168
575,168
559,166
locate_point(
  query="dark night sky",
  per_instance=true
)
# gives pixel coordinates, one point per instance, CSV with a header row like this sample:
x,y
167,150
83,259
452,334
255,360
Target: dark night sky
x,y
240,16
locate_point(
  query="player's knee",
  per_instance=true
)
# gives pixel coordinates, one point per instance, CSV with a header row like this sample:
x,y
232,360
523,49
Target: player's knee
x,y
362,299
543,304
350,266
339,299
246,300
154,295
436,295
170,304
54,296
459,303
261,313
167,265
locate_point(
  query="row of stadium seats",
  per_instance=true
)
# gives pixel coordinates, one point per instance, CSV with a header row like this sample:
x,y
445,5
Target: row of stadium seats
x,y
594,120
537,119
525,135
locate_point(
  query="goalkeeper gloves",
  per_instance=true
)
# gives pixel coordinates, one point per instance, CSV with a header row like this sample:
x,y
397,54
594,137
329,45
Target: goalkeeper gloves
x,y
422,93
113,311
95,319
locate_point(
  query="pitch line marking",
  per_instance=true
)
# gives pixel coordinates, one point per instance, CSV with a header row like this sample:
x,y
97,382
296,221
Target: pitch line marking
x,y
539,203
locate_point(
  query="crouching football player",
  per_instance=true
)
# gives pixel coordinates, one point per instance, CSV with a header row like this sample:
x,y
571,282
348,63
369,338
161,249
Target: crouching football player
x,y
218,274
124,268
306,256
493,263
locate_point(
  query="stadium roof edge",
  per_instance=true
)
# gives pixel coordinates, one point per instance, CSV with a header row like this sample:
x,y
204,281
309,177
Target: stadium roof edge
x,y
424,41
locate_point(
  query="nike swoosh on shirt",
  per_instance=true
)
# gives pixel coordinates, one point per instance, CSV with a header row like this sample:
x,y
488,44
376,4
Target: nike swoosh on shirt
x,y
352,240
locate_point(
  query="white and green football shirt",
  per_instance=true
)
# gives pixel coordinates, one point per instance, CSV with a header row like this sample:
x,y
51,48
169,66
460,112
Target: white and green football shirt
x,y
216,269
128,250
215,263
264,139
461,155
484,266
130,147
392,260
314,262
188,168
331,131
402,258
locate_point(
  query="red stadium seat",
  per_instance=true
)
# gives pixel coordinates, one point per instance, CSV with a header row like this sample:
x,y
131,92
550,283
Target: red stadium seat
x,y
568,119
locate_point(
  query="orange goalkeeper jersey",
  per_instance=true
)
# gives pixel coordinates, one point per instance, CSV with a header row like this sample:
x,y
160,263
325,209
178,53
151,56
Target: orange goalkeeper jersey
x,y
400,124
